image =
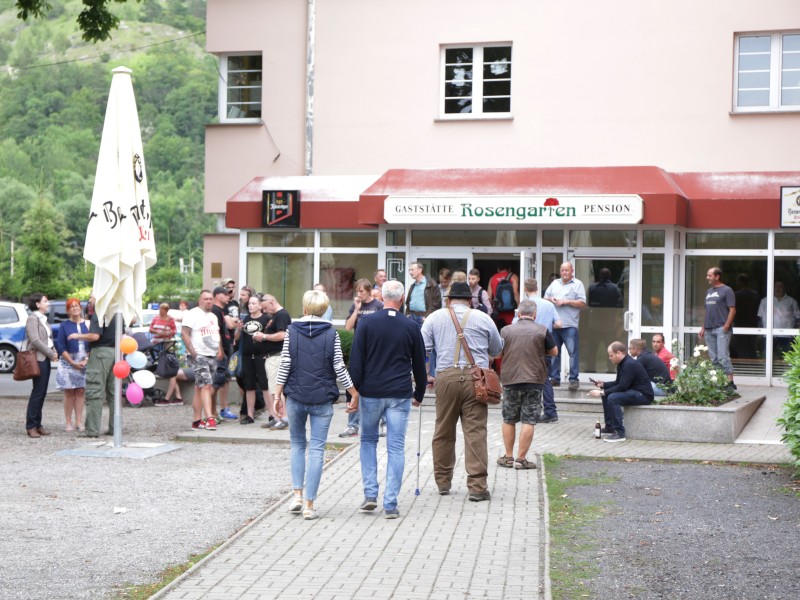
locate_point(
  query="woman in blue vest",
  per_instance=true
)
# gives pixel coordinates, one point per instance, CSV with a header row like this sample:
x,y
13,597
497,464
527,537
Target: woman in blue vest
x,y
311,363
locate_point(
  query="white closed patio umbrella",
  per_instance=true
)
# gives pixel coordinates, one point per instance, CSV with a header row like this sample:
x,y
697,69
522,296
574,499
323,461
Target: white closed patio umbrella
x,y
119,236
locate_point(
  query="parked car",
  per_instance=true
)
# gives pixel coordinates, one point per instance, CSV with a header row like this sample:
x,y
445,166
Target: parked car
x,y
12,333
147,317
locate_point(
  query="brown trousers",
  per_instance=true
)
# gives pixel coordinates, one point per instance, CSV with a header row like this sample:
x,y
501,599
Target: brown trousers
x,y
455,399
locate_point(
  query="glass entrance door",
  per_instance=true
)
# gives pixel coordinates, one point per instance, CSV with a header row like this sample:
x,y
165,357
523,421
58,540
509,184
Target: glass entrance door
x,y
608,316
435,263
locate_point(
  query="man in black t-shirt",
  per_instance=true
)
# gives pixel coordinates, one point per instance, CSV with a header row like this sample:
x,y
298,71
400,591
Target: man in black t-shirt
x,y
222,380
274,335
99,375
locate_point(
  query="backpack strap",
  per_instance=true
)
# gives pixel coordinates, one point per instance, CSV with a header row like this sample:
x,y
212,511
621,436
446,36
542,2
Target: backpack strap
x,y
461,339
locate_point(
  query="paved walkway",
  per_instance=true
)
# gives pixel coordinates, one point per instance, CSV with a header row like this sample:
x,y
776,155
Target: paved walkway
x,y
442,547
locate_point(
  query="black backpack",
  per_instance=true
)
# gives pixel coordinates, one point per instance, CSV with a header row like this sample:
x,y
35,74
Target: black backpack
x,y
504,300
481,306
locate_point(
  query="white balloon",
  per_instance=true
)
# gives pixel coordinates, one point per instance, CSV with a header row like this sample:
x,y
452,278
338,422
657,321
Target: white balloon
x,y
145,379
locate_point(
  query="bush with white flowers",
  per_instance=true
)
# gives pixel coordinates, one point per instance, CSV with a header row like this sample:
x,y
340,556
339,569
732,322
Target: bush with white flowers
x,y
698,381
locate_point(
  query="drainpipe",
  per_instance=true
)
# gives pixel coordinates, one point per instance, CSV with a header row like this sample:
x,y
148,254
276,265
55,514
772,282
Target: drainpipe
x,y
309,138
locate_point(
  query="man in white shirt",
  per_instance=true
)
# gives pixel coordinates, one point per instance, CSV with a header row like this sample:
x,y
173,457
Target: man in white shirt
x,y
785,315
201,337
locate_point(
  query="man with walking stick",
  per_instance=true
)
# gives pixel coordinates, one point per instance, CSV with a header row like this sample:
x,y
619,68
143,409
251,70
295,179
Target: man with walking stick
x,y
387,349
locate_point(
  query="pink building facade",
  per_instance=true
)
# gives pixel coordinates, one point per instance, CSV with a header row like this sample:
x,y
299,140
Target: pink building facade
x,y
437,131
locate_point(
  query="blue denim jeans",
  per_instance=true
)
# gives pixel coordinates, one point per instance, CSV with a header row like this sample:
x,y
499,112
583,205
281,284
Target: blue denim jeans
x,y
396,411
719,348
568,336
548,398
320,417
612,407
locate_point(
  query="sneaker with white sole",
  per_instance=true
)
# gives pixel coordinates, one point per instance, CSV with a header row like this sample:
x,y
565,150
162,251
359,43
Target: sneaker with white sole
x,y
368,505
349,432
297,506
614,437
211,424
227,413
391,513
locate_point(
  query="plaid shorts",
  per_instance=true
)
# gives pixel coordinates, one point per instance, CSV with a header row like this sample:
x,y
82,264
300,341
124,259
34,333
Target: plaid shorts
x,y
522,404
203,368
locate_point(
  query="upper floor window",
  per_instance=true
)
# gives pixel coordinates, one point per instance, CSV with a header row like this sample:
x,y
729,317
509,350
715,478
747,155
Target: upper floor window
x,y
240,87
476,81
767,72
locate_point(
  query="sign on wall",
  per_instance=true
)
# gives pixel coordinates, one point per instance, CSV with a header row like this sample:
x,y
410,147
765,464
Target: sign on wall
x,y
514,210
280,209
790,206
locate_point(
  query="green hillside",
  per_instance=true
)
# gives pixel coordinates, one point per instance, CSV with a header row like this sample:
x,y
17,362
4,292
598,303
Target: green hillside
x,y
53,93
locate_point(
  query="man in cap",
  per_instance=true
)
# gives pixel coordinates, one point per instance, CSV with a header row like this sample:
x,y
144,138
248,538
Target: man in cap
x,y
455,394
222,379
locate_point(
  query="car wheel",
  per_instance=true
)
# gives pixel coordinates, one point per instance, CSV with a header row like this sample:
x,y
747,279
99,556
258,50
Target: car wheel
x,y
8,359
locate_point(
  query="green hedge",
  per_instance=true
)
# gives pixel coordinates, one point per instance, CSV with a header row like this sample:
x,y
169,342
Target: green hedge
x,y
790,419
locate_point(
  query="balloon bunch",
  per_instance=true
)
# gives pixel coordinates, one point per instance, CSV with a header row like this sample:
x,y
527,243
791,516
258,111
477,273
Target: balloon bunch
x,y
142,380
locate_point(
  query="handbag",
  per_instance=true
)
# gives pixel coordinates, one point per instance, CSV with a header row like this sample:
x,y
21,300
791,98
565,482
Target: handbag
x,y
485,381
27,366
235,363
168,365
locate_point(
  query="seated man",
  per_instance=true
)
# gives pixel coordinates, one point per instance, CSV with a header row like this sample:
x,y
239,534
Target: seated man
x,y
657,371
630,388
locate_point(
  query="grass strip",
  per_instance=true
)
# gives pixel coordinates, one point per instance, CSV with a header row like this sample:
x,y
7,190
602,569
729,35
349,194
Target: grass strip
x,y
572,535
144,591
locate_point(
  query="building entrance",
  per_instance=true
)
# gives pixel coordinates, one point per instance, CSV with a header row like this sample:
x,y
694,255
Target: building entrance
x,y
609,315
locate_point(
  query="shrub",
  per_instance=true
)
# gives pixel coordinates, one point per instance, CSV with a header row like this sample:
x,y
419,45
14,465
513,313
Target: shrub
x,y
698,381
346,337
790,419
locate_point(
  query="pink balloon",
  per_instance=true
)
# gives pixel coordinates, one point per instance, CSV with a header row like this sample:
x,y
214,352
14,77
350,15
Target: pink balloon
x,y
134,393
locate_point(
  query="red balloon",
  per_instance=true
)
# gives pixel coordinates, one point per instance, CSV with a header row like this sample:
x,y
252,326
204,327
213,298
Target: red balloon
x,y
122,369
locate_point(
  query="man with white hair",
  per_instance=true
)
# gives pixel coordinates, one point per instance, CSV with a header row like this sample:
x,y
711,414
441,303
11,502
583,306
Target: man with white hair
x,y
387,346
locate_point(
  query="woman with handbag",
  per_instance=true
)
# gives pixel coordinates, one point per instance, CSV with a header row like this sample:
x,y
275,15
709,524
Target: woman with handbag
x,y
73,355
40,337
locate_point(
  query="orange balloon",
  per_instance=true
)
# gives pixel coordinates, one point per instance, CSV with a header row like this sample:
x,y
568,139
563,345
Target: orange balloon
x,y
128,345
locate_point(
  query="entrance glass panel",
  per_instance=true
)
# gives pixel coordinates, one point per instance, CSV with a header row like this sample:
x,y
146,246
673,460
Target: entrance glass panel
x,y
434,263
607,317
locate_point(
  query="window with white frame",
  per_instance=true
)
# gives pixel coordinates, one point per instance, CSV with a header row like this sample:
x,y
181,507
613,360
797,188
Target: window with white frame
x,y
476,81
767,72
240,88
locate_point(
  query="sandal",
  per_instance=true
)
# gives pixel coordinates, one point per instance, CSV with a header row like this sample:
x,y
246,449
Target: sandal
x,y
506,461
524,463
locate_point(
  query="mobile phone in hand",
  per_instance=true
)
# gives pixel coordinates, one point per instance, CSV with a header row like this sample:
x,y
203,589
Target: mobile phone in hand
x,y
594,381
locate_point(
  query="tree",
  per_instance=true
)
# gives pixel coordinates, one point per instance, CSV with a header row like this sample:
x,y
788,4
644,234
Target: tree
x,y
42,251
96,21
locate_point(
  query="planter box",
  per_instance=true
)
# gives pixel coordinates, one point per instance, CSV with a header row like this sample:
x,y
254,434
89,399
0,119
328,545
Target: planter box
x,y
720,425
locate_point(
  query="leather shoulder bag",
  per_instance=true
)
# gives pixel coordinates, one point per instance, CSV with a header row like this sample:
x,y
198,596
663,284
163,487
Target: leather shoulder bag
x,y
485,381
27,366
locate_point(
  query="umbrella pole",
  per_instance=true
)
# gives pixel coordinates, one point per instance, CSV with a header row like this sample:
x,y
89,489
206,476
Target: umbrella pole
x,y
117,382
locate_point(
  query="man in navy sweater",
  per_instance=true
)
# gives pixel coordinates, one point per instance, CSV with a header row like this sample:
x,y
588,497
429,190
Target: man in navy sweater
x,y
630,388
387,349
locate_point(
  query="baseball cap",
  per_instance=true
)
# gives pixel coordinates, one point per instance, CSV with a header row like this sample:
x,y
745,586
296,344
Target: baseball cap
x,y
220,290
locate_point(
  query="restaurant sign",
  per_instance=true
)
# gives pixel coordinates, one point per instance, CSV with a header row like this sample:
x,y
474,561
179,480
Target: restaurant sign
x,y
790,206
608,209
